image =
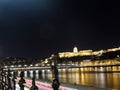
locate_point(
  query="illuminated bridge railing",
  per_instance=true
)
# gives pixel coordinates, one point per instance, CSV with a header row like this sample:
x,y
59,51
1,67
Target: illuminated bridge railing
x,y
62,66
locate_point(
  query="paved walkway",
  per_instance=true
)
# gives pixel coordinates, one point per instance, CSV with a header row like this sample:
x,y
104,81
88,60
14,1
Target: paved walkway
x,y
47,86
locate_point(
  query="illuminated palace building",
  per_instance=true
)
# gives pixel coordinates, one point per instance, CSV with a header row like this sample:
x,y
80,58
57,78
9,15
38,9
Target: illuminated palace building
x,y
89,60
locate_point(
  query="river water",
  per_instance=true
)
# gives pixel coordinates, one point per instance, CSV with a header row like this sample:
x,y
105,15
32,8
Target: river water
x,y
74,76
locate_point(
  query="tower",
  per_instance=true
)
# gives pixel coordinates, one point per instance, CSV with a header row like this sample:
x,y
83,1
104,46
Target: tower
x,y
75,49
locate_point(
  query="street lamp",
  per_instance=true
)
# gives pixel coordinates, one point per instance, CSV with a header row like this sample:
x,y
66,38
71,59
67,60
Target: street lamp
x,y
55,82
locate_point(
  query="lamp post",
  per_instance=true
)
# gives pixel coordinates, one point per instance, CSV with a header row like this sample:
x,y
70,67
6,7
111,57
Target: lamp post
x,y
21,81
14,82
55,82
9,80
33,87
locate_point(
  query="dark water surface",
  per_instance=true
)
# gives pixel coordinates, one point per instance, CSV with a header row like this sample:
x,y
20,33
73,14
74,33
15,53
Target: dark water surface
x,y
103,80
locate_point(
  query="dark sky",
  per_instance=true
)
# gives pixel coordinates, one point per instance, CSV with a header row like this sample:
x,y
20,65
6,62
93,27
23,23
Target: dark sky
x,y
39,28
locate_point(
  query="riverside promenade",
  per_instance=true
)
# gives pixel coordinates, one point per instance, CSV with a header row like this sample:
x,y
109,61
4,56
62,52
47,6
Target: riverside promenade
x,y
42,85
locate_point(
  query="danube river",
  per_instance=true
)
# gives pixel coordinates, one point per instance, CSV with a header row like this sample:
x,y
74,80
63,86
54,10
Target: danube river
x,y
74,76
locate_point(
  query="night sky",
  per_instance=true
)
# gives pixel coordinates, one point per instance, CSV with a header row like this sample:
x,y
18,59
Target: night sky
x,y
39,28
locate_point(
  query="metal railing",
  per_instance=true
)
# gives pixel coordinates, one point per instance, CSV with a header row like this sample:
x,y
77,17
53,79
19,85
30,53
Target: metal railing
x,y
8,82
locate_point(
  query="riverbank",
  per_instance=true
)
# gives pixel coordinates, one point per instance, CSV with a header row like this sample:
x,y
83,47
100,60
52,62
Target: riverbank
x,y
66,86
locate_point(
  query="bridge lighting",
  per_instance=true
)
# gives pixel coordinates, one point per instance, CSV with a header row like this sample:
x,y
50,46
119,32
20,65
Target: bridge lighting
x,y
36,71
64,69
25,65
72,64
43,71
118,56
53,64
31,65
19,65
63,64
6,66
48,70
11,66
36,64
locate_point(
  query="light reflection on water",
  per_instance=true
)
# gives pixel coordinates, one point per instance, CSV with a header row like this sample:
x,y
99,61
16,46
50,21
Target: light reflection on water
x,y
104,80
